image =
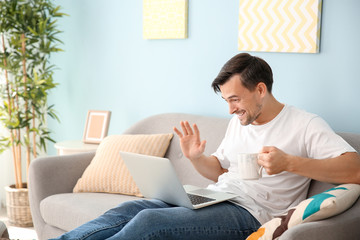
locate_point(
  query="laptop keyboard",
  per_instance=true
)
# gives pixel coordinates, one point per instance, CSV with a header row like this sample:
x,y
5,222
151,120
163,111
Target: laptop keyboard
x,y
196,199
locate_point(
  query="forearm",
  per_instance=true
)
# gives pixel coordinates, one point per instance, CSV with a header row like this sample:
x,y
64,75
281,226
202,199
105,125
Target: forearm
x,y
342,169
208,166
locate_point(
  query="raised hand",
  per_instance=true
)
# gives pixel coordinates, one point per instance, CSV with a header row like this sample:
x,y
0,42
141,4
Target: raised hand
x,y
190,142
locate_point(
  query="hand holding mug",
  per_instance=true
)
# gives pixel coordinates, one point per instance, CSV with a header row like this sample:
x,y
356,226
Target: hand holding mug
x,y
274,160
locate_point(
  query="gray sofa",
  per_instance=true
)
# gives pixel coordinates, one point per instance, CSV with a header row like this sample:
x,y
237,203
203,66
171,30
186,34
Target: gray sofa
x,y
55,209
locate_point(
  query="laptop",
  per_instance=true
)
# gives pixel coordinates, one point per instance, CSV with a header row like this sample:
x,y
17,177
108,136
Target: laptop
x,y
156,178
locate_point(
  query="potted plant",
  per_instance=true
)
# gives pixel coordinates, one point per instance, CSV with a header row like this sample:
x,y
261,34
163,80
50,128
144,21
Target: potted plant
x,y
28,37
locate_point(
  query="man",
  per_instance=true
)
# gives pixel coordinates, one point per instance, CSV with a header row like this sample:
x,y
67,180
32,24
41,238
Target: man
x,y
293,147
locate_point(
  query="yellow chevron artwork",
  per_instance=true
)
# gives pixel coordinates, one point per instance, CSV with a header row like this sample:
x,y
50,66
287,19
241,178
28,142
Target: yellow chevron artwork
x,y
165,19
279,25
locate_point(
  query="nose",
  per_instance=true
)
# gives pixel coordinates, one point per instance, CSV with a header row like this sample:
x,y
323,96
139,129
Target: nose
x,y
232,108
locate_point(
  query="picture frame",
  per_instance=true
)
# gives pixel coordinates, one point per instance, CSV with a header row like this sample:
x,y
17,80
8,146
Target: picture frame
x,y
97,126
280,26
165,19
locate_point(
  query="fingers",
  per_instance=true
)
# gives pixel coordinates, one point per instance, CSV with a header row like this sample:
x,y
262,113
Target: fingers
x,y
183,127
202,146
197,132
267,149
265,154
196,129
262,159
178,132
186,129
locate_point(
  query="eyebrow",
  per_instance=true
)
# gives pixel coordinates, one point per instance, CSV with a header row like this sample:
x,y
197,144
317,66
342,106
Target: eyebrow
x,y
232,96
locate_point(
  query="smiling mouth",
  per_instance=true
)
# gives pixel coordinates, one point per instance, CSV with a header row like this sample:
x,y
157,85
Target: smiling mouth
x,y
241,113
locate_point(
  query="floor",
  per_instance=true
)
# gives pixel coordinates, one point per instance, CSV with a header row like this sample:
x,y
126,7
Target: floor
x,y
17,232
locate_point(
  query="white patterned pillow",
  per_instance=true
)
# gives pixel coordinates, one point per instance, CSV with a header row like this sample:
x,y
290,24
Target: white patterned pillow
x,y
320,206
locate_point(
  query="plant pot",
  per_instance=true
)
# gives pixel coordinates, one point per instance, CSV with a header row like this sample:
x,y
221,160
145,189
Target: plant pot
x,y
17,206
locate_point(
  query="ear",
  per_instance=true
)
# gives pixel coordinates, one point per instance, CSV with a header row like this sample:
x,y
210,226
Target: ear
x,y
261,88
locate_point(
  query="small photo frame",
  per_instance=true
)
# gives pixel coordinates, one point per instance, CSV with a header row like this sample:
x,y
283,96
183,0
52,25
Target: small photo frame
x,y
97,126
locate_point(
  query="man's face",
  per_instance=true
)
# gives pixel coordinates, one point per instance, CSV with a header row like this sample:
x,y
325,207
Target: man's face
x,y
243,102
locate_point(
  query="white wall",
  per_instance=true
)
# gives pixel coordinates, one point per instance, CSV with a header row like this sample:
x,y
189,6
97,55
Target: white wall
x,y
6,171
107,65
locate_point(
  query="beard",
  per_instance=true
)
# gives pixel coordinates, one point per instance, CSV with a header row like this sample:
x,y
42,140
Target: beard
x,y
250,118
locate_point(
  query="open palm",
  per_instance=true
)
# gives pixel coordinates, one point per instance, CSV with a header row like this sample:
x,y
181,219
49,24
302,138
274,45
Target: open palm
x,y
190,142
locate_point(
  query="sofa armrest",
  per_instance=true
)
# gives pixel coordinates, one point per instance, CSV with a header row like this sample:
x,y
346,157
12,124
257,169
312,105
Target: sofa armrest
x,y
53,175
342,226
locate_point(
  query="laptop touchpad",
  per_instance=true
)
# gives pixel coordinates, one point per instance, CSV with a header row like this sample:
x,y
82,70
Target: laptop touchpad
x,y
203,192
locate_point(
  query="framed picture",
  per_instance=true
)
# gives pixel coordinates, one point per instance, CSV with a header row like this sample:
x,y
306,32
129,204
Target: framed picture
x,y
280,26
96,127
165,19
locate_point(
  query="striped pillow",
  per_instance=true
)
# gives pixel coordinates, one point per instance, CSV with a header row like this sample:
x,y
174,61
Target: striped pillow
x,y
108,173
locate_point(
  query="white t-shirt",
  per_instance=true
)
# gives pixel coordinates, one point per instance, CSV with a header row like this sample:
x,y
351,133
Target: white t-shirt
x,y
293,131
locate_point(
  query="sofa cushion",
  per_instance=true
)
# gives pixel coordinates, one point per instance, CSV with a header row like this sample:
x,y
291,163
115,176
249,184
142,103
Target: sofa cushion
x,y
317,207
69,210
4,234
108,173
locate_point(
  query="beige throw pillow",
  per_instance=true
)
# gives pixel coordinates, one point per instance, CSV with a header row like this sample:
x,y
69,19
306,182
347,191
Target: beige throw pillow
x,y
108,173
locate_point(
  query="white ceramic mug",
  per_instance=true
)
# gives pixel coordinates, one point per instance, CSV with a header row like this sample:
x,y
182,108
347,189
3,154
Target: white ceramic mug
x,y
248,167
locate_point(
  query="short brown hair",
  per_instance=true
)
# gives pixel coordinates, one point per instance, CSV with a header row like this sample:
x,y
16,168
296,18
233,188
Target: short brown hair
x,y
251,69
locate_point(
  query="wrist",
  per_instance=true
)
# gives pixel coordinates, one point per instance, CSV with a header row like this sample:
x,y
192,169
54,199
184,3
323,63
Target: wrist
x,y
291,163
196,158
296,164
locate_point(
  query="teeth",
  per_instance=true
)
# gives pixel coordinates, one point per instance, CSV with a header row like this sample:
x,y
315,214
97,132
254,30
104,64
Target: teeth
x,y
241,113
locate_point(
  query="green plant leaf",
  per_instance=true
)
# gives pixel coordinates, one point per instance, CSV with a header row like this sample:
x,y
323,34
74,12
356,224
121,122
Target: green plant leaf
x,y
35,19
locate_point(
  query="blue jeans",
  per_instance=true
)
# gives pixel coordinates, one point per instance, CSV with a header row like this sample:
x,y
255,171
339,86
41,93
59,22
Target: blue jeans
x,y
154,219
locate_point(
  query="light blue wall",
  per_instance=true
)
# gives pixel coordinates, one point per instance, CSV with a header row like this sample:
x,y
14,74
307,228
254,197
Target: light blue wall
x,y
107,65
